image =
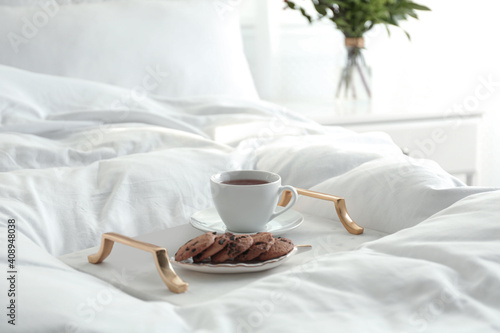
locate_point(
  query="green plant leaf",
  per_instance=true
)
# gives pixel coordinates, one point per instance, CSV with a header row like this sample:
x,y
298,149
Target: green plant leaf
x,y
354,17
290,4
419,7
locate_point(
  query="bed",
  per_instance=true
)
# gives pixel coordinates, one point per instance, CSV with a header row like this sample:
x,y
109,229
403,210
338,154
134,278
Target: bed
x,y
114,114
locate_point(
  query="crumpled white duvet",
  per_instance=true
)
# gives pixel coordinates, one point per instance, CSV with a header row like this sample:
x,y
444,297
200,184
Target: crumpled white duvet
x,y
79,158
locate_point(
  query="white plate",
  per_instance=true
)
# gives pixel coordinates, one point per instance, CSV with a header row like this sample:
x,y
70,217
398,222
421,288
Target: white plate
x,y
230,268
209,220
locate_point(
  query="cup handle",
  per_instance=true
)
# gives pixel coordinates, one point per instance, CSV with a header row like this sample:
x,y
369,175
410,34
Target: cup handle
x,y
290,204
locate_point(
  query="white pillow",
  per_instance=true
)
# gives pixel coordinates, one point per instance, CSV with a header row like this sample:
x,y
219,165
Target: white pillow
x,y
174,48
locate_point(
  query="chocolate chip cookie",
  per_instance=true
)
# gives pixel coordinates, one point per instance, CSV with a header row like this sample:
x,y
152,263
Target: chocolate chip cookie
x,y
262,242
195,246
280,247
237,245
219,244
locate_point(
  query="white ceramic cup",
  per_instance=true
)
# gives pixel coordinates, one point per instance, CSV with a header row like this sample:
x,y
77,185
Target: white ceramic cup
x,y
248,208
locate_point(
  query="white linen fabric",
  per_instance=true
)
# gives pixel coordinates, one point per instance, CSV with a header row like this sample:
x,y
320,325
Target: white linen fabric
x,y
80,158
20,3
168,47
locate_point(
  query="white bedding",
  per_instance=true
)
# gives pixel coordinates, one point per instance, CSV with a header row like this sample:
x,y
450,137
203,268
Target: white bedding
x,y
74,165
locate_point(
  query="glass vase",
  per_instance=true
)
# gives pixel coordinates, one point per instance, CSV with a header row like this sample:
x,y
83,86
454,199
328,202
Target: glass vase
x,y
354,93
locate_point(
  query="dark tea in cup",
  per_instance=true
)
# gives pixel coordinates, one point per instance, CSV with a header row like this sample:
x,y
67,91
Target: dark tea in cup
x,y
245,182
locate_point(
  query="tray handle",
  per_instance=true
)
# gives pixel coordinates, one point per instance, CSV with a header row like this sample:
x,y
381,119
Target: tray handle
x,y
339,203
167,273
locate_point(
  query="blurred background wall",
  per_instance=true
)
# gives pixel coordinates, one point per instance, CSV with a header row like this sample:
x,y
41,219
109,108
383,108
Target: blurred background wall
x,y
454,49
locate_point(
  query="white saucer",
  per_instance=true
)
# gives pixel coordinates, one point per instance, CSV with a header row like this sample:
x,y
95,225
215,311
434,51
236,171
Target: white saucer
x,y
209,220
